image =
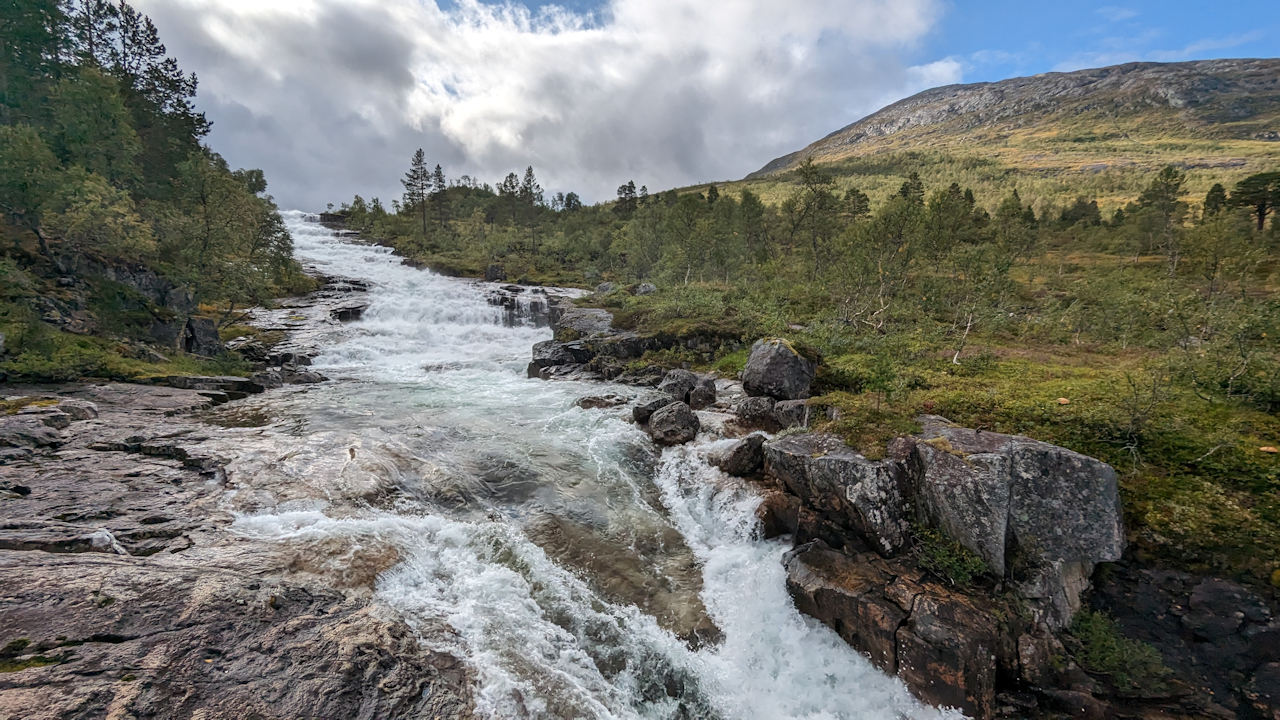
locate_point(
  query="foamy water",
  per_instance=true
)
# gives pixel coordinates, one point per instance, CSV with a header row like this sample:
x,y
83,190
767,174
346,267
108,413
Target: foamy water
x,y
561,549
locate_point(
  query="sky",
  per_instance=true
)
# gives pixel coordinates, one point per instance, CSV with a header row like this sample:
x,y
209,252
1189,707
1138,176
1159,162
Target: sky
x,y
331,97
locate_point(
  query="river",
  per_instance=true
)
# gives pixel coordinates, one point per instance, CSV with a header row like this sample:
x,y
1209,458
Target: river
x,y
579,571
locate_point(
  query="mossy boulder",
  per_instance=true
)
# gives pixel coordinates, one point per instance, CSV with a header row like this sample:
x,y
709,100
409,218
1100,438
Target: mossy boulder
x,y
776,369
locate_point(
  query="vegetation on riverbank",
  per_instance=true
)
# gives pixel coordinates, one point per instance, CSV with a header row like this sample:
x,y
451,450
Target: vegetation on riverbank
x,y
117,222
1146,336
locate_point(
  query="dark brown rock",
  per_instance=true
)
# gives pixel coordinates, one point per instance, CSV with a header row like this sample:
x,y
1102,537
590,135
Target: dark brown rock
x,y
848,596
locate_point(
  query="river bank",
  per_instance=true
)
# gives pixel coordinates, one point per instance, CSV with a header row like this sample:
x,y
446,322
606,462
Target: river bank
x,y
483,537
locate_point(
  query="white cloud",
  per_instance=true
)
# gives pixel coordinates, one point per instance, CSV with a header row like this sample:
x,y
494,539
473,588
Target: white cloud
x,y
1117,50
1115,14
330,97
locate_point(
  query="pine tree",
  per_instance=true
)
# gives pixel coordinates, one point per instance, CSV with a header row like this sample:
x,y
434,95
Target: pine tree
x,y
1260,193
913,189
439,196
417,182
530,190
626,204
1215,200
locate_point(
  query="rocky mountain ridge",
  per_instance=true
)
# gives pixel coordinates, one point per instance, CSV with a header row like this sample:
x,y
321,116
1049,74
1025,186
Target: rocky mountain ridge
x,y
1236,99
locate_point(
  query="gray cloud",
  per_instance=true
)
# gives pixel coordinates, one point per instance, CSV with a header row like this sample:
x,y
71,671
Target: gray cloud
x,y
330,97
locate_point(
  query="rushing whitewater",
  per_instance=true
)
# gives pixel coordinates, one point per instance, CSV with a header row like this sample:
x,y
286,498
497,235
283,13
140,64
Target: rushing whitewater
x,y
580,572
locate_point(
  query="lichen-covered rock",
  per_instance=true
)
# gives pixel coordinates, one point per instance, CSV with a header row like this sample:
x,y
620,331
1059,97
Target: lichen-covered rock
x,y
646,289
674,424
829,476
756,413
774,368
575,323
1050,511
744,458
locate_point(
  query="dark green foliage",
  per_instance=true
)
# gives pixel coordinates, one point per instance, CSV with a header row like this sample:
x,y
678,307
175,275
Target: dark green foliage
x,y
1131,666
101,165
1260,193
949,560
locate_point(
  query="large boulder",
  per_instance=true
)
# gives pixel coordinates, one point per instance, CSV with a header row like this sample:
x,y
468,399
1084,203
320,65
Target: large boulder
x,y
678,383
674,424
645,409
776,369
575,323
867,496
549,353
200,337
1039,513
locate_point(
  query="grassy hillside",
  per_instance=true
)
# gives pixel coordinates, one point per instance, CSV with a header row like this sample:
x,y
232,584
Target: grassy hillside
x,y
1097,133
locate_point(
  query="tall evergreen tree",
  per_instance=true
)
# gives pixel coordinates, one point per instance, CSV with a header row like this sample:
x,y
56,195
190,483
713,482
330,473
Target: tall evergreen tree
x,y
417,184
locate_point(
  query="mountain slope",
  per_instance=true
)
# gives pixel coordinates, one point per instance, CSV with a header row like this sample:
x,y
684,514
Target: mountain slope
x,y
1111,112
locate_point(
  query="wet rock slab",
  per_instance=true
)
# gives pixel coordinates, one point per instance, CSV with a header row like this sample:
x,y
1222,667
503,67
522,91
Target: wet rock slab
x,y
123,594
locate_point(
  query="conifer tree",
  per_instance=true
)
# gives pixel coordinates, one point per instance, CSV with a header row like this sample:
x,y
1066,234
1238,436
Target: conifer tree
x,y
417,183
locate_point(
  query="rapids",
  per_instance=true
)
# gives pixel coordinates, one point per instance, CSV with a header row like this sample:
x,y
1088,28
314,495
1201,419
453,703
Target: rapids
x,y
580,572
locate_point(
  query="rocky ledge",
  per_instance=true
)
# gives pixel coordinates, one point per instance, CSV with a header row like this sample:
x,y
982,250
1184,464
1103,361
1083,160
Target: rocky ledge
x,y
1031,524
125,595
587,346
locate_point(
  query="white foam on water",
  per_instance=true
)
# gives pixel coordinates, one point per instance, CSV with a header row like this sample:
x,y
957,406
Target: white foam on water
x,y
541,641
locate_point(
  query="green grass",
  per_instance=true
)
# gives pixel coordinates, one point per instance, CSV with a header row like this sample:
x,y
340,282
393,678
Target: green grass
x,y
49,355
